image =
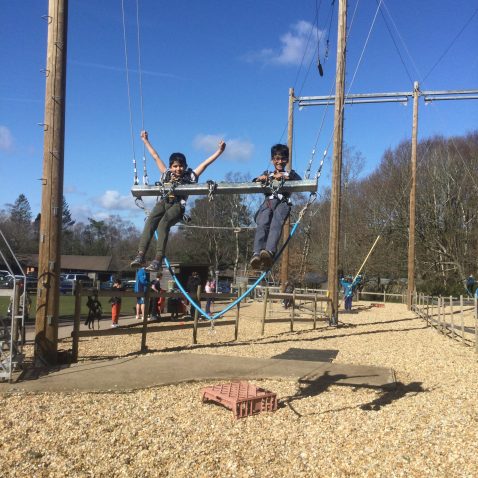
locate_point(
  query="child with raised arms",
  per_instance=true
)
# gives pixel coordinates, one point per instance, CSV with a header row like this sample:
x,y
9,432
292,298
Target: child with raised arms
x,y
168,211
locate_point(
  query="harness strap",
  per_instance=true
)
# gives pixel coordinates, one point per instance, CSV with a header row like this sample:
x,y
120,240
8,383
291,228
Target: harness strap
x,y
212,186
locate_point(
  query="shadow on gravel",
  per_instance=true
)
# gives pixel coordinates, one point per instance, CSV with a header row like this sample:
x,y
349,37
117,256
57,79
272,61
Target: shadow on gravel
x,y
285,337
390,396
311,388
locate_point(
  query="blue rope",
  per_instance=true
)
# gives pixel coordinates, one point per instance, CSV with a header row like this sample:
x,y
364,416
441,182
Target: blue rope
x,y
240,298
184,291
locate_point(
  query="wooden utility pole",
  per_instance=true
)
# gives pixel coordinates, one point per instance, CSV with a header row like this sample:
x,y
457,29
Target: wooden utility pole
x,y
332,276
397,97
284,269
413,193
46,326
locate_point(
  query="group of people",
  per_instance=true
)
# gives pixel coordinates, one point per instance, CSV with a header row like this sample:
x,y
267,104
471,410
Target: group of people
x,y
194,285
176,306
156,305
170,209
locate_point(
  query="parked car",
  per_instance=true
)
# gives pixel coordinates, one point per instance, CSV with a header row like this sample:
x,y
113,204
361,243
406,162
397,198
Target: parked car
x,y
4,274
7,281
128,284
224,287
84,279
68,281
66,286
108,285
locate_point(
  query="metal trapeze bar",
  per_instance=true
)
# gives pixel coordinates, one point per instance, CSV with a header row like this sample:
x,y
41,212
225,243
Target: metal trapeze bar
x,y
302,186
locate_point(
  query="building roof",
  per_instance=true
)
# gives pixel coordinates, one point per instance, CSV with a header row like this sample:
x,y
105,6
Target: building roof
x,y
74,262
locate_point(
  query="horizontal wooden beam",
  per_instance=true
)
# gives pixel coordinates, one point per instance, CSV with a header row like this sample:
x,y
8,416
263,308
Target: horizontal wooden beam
x,y
302,186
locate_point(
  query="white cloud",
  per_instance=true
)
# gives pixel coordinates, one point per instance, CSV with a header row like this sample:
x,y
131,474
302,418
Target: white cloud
x,y
298,44
71,189
112,200
81,213
6,139
236,149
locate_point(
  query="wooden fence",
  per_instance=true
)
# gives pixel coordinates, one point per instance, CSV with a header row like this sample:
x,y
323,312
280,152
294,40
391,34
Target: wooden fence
x,y
454,317
299,302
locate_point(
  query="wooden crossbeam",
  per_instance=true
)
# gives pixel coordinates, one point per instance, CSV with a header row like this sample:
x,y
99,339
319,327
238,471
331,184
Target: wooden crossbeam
x,y
302,186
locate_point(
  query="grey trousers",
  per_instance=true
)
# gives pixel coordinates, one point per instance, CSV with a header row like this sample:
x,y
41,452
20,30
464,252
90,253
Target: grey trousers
x,y
270,219
162,217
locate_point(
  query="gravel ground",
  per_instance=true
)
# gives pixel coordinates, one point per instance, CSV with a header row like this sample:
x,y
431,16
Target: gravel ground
x,y
428,426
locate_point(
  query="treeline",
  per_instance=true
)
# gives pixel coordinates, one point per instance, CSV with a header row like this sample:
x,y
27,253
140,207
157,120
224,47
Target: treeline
x,y
378,204
446,215
112,236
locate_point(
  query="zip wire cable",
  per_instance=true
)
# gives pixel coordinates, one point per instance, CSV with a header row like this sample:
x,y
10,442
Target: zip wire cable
x,y
395,43
314,149
402,40
302,63
356,68
451,44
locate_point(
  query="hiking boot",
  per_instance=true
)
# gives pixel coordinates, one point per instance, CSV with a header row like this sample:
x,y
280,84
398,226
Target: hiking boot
x,y
256,262
138,262
267,259
155,266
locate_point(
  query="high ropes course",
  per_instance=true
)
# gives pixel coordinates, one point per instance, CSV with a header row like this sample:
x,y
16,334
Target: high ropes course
x,y
161,189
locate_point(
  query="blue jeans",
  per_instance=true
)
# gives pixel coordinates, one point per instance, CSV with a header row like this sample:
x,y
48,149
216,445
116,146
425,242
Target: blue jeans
x,y
270,219
208,306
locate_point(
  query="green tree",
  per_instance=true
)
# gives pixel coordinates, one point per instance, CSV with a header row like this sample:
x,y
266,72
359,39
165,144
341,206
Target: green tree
x,y
18,227
66,220
20,211
217,244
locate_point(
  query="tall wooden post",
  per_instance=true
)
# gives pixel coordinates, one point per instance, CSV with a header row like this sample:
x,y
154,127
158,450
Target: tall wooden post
x,y
337,166
413,191
284,270
46,327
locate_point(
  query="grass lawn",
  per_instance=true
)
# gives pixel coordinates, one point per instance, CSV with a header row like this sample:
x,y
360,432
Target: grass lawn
x,y
67,305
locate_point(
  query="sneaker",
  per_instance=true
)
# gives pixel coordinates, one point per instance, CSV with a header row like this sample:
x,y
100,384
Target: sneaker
x,y
155,266
256,262
138,262
114,325
267,259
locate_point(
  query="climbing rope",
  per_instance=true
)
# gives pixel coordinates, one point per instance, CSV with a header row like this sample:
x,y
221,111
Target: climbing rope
x,y
128,86
135,171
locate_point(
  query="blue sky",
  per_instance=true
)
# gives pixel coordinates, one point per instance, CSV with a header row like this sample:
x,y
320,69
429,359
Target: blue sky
x,y
221,69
